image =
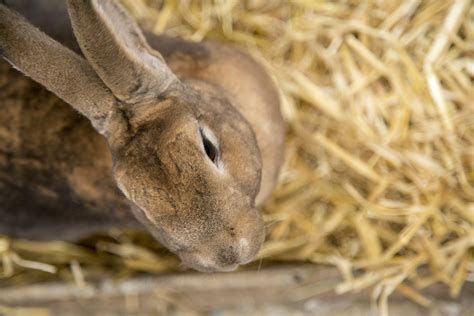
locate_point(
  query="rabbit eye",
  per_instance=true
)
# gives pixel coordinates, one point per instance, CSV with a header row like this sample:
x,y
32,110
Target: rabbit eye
x,y
211,150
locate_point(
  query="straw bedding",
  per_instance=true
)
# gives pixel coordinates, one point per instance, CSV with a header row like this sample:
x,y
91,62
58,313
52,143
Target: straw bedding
x,y
379,175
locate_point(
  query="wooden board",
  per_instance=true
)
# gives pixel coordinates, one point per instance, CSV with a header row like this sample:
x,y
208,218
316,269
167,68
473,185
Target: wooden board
x,y
295,290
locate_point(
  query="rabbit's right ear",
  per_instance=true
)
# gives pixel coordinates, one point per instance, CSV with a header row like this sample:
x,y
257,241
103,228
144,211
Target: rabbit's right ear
x,y
117,50
56,67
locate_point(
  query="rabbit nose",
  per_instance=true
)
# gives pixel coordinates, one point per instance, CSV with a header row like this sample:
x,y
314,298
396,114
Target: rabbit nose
x,y
239,254
228,256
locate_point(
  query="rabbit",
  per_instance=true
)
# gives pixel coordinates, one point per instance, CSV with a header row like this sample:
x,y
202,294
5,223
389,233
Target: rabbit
x,y
122,128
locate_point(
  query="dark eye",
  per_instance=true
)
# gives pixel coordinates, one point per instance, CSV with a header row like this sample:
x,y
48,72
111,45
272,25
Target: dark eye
x,y
211,150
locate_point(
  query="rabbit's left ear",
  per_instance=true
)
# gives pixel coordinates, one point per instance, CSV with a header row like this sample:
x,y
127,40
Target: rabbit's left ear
x,y
56,67
116,48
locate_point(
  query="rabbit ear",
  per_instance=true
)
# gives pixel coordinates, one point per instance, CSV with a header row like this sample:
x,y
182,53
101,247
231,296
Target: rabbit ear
x,y
54,66
116,48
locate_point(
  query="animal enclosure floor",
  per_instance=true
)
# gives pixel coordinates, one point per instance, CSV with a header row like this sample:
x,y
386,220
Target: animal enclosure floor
x,y
289,290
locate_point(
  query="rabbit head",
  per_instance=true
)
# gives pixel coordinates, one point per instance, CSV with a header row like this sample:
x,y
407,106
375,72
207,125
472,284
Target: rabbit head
x,y
192,171
185,158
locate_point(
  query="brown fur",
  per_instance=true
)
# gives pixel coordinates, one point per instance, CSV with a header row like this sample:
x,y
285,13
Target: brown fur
x,y
58,175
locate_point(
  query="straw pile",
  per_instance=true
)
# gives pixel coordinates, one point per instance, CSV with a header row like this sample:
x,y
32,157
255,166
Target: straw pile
x,y
379,175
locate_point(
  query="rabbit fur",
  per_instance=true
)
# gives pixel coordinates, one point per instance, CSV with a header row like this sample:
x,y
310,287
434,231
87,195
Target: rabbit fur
x,y
104,126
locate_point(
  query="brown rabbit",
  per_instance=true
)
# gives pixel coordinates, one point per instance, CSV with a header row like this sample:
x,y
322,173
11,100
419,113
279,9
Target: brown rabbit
x,y
192,136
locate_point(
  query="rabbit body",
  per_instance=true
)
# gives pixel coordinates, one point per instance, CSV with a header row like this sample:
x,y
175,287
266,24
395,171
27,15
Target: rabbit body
x,y
56,177
55,169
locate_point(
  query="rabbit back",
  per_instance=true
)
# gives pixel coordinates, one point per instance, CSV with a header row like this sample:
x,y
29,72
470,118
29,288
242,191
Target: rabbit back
x,y
54,167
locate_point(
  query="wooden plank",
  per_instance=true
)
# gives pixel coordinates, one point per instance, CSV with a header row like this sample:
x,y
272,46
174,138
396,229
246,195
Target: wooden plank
x,y
303,290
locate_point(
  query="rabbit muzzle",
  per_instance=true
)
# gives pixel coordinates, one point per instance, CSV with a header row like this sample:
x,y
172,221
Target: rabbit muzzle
x,y
226,251
226,259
